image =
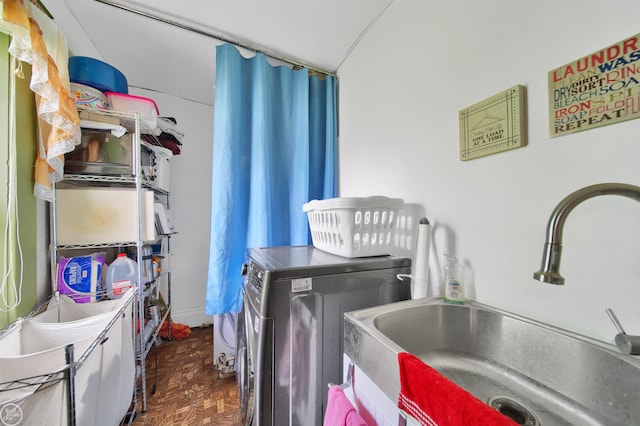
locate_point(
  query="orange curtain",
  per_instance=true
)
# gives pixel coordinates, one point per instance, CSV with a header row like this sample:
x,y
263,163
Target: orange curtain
x,y
46,51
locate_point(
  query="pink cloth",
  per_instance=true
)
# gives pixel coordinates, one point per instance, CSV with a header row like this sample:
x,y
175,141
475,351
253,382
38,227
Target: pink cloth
x,y
340,411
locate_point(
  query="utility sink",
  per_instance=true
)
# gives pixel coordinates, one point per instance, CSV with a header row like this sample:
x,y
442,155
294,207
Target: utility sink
x,y
533,372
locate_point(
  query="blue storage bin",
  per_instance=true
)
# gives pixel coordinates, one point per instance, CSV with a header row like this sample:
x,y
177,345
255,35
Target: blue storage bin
x,y
97,74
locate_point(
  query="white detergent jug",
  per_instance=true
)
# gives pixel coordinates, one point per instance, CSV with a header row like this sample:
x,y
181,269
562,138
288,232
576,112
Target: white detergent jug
x,y
122,274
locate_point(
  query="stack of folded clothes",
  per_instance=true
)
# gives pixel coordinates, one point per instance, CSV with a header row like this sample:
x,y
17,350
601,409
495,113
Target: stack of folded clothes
x,y
166,135
170,137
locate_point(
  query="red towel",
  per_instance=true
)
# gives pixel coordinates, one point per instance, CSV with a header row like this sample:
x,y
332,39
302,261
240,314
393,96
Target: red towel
x,y
340,412
434,400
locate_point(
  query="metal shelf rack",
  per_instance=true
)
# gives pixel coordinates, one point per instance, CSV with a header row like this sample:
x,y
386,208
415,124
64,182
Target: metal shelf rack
x,y
134,179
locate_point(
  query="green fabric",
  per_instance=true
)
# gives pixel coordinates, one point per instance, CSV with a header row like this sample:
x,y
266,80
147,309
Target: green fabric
x,y
26,150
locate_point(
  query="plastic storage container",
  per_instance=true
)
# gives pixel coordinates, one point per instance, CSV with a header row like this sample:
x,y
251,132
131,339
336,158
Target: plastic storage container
x,y
102,215
146,107
97,74
122,274
101,153
352,226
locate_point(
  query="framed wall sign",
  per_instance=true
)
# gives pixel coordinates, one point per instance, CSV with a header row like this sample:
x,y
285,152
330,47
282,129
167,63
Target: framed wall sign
x,y
494,125
596,90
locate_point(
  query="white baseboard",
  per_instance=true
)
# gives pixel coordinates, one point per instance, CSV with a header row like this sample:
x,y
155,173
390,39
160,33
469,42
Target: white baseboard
x,y
193,317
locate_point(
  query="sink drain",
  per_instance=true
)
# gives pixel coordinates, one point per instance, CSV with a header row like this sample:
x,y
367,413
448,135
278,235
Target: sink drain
x,y
514,410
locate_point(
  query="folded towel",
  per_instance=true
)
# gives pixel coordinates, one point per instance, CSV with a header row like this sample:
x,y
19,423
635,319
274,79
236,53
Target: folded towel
x,y
434,400
168,125
340,411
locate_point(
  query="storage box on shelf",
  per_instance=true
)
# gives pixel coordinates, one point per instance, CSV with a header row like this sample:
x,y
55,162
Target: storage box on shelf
x,y
112,208
146,107
353,226
100,154
103,215
105,153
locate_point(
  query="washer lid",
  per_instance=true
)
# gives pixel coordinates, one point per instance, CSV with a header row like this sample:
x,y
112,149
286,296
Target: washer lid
x,y
296,261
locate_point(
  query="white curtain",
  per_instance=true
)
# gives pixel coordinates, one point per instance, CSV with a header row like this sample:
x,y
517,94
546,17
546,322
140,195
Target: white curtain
x,y
37,40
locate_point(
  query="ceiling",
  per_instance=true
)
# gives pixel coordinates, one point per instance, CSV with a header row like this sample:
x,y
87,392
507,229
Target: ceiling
x,y
157,55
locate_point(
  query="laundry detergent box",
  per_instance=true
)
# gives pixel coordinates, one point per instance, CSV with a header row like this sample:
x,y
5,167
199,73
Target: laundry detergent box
x,y
80,277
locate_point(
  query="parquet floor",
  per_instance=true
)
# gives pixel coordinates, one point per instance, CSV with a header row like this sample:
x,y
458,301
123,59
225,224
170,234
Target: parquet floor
x,y
188,390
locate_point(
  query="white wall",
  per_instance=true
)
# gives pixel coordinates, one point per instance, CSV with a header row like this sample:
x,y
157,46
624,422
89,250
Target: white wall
x,y
190,204
400,93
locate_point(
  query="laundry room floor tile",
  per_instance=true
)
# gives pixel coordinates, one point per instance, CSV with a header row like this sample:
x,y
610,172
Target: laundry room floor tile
x,y
188,389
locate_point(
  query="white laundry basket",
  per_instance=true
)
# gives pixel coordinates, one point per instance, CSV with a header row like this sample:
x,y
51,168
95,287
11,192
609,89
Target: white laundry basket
x,y
353,226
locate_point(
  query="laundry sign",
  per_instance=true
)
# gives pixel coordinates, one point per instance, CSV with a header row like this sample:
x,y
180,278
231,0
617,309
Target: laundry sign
x,y
596,90
494,125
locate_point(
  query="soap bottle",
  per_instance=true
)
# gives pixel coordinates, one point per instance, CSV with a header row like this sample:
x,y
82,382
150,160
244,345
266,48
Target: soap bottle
x,y
453,290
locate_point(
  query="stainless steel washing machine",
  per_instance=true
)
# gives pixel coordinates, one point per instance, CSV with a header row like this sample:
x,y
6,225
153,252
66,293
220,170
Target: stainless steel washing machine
x,y
290,331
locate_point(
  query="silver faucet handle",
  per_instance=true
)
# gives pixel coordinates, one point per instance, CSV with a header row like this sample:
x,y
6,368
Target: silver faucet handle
x,y
615,321
629,345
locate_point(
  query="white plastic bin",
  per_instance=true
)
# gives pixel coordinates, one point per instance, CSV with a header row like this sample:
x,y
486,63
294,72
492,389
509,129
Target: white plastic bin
x,y
353,226
102,215
34,348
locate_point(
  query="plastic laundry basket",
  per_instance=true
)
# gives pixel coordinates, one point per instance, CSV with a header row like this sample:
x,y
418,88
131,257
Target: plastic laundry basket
x,y
352,226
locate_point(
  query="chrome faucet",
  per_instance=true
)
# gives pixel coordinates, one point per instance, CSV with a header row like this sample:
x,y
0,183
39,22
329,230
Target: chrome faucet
x,y
550,270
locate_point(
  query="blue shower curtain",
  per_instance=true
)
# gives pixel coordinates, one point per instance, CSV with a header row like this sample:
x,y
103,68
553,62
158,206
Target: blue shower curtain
x,y
274,149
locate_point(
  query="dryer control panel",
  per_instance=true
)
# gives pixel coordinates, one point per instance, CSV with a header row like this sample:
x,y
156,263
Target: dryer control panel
x,y
255,285
255,275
